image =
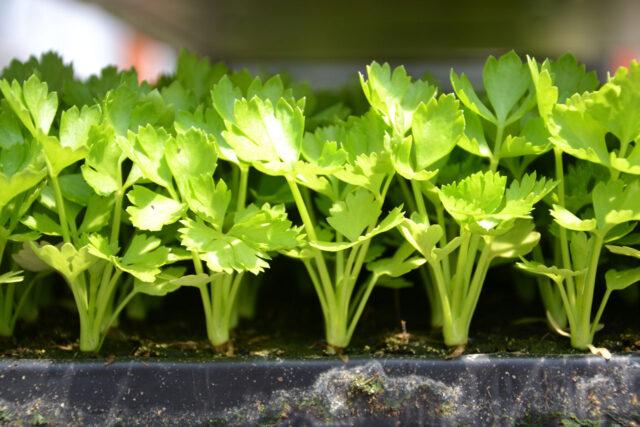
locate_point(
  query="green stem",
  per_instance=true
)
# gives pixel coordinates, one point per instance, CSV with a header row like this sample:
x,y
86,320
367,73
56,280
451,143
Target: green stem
x,y
471,299
317,286
105,326
311,232
443,240
596,320
361,304
242,188
406,194
589,288
417,193
497,146
459,289
64,225
447,315
115,226
564,242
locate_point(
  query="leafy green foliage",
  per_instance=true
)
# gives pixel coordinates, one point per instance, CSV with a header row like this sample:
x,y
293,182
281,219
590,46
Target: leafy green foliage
x,y
110,182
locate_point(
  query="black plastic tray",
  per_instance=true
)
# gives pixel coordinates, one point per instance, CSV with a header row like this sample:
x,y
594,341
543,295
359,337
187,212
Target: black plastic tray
x,y
475,389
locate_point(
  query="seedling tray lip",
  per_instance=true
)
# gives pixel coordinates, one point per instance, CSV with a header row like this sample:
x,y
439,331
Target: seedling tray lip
x,y
486,387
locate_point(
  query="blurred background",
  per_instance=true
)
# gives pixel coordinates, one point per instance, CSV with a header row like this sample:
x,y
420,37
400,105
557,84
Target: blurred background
x,y
322,42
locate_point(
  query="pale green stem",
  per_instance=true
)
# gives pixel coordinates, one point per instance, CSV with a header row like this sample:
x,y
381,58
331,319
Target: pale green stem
x,y
361,304
564,243
406,194
596,320
319,259
495,158
64,225
242,188
589,287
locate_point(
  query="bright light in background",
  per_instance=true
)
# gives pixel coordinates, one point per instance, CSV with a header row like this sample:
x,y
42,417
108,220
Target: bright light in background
x,y
82,33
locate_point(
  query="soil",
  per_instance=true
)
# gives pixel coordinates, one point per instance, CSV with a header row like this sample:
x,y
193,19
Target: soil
x,y
288,325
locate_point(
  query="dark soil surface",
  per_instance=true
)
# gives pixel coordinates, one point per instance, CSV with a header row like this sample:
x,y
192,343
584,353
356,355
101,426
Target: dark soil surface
x,y
288,324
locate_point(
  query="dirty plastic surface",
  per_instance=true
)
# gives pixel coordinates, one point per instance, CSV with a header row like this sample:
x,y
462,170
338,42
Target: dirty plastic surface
x,y
475,389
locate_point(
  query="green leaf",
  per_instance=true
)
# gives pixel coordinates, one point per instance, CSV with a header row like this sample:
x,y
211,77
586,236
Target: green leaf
x,y
208,199
437,127
266,132
41,104
151,211
190,154
546,92
467,95
475,197
356,213
516,242
43,224
197,73
97,214
571,77
224,95
28,260
523,194
422,236
619,280
21,169
554,273
10,130
266,228
576,132
75,125
178,97
11,277
391,221
615,202
169,281
144,257
398,265
617,103
474,140
221,252
393,95
66,259
580,248
506,80
102,168
624,250
146,150
568,220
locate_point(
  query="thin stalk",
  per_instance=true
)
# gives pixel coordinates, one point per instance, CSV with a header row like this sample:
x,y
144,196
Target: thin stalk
x,y
406,194
319,259
64,225
443,240
419,198
242,188
361,304
471,300
447,315
571,315
233,293
318,287
589,287
564,242
497,146
596,320
458,293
